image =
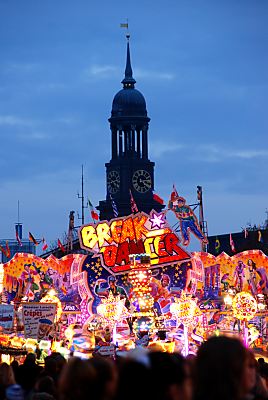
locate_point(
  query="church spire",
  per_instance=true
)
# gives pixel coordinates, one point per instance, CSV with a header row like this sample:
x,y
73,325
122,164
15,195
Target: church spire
x,y
128,81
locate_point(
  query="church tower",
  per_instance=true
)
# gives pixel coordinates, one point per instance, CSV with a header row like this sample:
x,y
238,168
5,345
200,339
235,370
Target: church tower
x,y
129,168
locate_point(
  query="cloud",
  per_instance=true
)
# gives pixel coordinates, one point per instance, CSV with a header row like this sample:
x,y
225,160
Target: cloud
x,y
153,75
33,136
213,153
159,148
104,71
12,120
52,86
199,83
21,67
248,154
101,71
66,120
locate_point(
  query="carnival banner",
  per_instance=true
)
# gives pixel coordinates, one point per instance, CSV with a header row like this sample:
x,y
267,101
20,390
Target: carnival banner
x,y
38,319
115,240
6,316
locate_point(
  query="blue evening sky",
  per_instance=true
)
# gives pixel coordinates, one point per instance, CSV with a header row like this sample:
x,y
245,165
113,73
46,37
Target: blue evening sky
x,y
202,66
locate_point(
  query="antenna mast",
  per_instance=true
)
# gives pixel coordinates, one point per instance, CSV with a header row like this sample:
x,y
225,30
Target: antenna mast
x,y
82,198
18,225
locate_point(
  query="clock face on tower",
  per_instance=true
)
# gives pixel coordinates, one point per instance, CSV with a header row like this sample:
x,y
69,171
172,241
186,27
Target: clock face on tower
x,y
141,181
113,181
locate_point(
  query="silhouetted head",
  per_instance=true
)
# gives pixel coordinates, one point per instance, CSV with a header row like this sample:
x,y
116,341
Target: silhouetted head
x,y
220,368
171,373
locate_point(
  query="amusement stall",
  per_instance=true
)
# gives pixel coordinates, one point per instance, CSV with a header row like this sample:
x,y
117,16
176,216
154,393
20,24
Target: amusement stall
x,y
136,286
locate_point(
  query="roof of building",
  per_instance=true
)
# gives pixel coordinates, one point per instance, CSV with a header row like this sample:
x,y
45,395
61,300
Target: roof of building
x,y
129,102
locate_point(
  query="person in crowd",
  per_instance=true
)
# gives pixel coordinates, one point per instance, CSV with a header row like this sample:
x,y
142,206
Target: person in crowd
x,y
50,368
53,365
134,375
77,380
263,371
14,392
60,362
106,378
28,373
223,370
7,379
15,367
45,389
258,389
261,360
170,376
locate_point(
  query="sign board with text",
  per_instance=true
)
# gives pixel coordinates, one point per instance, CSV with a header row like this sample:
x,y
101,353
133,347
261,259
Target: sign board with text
x,y
38,319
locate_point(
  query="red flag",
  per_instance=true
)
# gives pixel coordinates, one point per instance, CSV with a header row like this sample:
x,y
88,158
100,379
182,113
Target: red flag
x,y
61,246
7,250
133,205
3,250
158,199
174,193
18,238
45,245
32,239
232,243
94,215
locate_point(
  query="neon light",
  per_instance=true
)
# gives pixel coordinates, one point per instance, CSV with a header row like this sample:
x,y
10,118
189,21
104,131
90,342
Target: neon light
x,y
157,220
114,241
244,306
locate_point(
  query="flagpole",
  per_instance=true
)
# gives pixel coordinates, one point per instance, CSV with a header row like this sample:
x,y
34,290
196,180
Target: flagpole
x,y
202,223
18,211
18,226
82,198
83,214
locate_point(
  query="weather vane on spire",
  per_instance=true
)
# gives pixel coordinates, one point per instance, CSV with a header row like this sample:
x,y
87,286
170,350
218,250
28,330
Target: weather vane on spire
x,y
125,25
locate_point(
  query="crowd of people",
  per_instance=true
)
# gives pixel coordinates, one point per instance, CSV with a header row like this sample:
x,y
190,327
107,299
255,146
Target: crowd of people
x,y
222,369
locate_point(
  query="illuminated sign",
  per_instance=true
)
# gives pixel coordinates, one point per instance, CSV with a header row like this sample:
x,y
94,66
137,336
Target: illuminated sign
x,y
70,308
115,240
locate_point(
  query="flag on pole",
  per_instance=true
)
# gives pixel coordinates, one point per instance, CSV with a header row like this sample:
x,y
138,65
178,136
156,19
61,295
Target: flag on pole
x,y
217,245
260,239
7,250
199,193
61,246
246,233
174,193
115,210
3,250
18,238
158,199
93,213
32,239
45,245
232,243
133,205
125,25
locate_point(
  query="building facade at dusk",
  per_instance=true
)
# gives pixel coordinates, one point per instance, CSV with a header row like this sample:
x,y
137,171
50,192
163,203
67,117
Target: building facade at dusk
x,y
130,171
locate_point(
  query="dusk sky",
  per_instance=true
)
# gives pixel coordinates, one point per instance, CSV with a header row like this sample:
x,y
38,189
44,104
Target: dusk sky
x,y
202,66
